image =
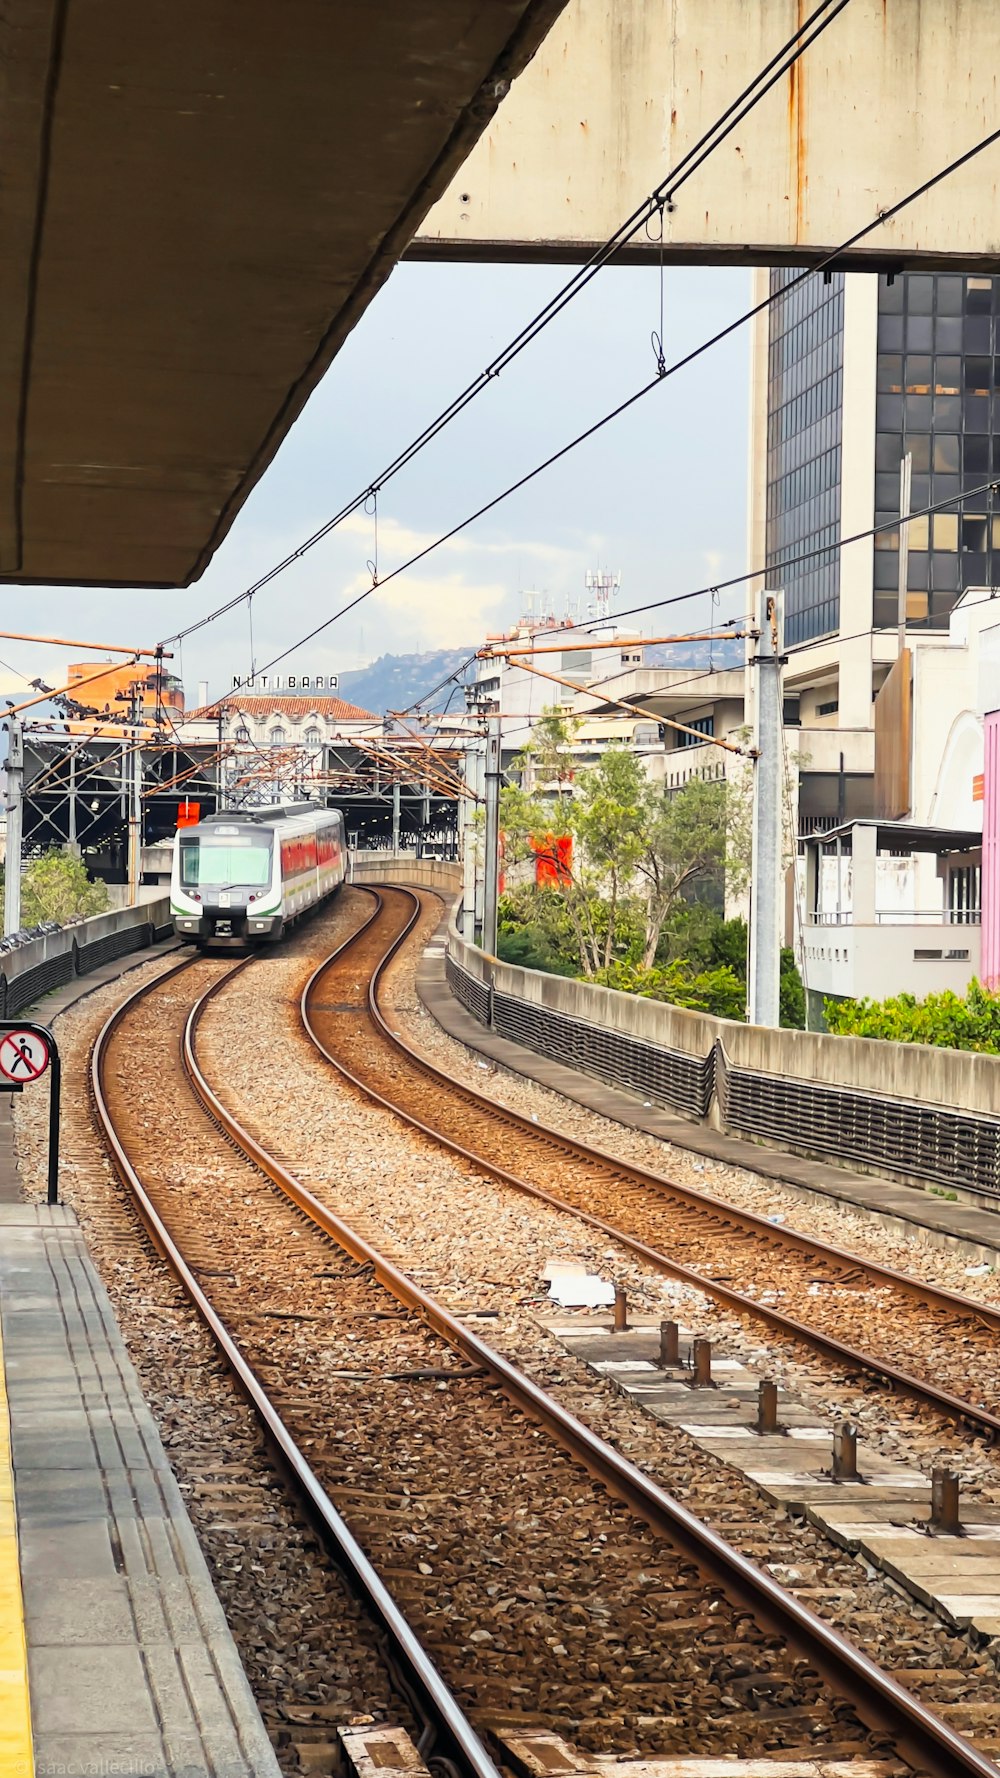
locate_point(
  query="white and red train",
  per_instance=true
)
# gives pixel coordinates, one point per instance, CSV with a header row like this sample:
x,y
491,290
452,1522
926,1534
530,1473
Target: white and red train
x,y
241,880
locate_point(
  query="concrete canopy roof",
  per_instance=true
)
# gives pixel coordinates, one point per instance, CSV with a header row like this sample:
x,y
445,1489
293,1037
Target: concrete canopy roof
x,y
199,200
895,834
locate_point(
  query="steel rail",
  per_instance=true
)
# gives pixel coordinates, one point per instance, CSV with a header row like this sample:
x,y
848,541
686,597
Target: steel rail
x,y
459,1738
922,1738
952,1407
936,1296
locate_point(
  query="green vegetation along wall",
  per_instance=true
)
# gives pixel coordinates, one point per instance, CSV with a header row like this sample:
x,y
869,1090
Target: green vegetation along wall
x,y
57,887
945,1020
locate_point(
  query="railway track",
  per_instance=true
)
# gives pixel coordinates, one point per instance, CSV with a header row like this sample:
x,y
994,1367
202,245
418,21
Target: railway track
x,y
912,1336
431,1462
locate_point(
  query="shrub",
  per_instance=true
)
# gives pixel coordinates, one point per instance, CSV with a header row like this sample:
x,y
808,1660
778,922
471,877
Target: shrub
x,y
717,991
946,1020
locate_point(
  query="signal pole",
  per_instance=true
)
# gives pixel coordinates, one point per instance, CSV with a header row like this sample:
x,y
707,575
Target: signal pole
x,y
766,875
15,813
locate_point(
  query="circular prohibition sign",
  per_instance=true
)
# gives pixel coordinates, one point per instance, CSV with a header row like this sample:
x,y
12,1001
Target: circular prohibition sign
x,y
24,1056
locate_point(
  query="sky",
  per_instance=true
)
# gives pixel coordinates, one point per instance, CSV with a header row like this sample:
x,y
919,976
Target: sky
x,y
659,496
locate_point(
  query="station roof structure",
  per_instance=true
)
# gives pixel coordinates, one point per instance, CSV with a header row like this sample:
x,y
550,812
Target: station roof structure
x,y
198,203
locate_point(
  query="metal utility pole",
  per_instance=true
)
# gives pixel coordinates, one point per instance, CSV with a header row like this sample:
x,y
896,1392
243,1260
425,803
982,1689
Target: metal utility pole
x,y
220,779
467,827
492,869
395,818
766,874
15,811
135,796
72,845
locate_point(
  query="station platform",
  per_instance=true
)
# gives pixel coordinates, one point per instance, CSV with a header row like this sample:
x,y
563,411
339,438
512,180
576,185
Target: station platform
x,y
970,1229
115,1654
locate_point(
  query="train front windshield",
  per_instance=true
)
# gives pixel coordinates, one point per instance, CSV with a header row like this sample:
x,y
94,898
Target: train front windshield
x,y
225,861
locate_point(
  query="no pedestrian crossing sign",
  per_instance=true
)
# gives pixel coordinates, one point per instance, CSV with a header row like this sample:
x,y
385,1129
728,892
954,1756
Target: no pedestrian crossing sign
x,y
24,1056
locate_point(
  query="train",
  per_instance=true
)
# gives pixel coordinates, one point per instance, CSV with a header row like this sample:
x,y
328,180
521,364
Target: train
x,y
243,879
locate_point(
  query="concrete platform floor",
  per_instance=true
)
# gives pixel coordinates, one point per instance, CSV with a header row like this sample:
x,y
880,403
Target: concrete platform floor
x,y
113,1644
131,1663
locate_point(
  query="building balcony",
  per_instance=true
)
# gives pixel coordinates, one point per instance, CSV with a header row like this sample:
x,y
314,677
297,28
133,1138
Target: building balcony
x,y
676,766
922,917
896,954
823,749
877,940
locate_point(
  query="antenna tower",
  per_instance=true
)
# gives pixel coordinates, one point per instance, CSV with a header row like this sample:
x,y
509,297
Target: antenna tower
x,y
602,588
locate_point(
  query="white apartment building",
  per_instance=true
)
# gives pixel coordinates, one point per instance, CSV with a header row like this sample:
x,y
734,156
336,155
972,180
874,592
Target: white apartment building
x,y
562,659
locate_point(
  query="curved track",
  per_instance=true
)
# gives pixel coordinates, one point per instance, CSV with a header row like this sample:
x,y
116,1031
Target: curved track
x,y
234,1243
863,1305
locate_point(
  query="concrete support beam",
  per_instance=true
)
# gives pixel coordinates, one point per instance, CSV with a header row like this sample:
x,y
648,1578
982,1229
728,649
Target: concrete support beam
x,y
892,91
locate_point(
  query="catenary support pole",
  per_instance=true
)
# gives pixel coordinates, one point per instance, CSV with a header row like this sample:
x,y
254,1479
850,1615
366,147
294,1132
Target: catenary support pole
x,y
135,798
15,814
72,799
480,782
468,820
395,818
766,874
220,775
492,835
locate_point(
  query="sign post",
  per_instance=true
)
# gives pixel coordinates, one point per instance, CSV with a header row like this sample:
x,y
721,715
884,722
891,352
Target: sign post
x,y
27,1052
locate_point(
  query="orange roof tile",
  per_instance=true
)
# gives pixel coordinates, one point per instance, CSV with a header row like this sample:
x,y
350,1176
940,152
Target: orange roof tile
x,y
297,707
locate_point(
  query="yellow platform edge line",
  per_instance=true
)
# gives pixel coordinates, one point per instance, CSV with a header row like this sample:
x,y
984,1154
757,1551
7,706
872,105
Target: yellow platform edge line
x,y
17,1758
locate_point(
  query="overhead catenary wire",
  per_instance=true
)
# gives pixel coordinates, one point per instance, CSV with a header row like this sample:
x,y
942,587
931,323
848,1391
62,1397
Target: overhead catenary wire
x,y
659,199
810,555
656,382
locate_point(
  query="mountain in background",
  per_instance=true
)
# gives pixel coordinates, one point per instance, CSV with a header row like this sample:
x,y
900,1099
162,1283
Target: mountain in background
x,y
395,681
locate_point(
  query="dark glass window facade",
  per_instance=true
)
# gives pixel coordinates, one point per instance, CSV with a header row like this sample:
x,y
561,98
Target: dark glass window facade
x,y
804,413
938,397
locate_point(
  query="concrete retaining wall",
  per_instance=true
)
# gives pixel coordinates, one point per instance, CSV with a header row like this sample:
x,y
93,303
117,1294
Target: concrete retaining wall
x,y
406,868
47,962
906,1110
913,1071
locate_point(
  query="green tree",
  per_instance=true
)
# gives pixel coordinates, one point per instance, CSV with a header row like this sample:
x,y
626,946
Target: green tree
x,y
602,809
633,840
56,886
683,846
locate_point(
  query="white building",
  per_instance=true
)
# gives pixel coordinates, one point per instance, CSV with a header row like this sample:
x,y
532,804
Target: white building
x,y
561,662
275,743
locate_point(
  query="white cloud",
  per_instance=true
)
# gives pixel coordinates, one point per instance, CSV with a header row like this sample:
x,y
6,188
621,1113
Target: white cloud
x,y
415,613
404,541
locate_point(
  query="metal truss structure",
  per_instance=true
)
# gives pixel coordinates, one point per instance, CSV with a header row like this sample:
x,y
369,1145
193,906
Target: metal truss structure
x,y
397,790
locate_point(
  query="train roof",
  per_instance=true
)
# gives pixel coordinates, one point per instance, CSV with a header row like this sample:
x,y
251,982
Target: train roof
x,y
267,820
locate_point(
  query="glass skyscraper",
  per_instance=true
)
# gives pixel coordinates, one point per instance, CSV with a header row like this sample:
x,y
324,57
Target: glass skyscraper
x,y
938,382
937,396
805,385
